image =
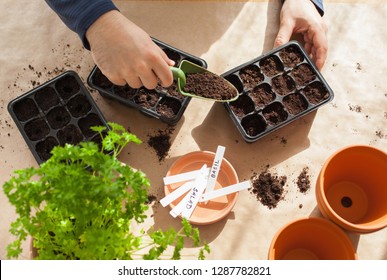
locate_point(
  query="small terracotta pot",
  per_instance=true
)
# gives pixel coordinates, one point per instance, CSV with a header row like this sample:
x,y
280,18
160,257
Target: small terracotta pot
x,y
352,189
311,238
216,209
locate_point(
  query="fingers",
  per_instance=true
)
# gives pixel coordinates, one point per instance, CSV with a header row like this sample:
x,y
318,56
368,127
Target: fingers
x,y
284,33
316,44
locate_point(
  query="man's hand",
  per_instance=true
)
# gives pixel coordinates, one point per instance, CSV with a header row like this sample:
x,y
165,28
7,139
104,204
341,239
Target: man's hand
x,y
301,16
126,54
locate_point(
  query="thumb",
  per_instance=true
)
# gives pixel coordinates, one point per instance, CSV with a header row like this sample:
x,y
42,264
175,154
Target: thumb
x,y
284,33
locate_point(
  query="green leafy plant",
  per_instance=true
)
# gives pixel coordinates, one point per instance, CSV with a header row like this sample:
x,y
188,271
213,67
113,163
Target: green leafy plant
x,y
82,203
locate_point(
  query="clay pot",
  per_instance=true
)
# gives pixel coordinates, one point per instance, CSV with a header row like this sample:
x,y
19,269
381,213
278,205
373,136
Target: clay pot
x,y
216,209
311,238
351,189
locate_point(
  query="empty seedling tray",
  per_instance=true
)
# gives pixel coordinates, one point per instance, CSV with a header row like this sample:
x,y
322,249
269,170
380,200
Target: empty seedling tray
x,y
166,104
59,111
274,90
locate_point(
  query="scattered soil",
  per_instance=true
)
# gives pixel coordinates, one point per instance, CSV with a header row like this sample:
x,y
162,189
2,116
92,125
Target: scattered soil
x,y
168,107
291,56
58,117
355,108
283,84
315,92
262,95
295,103
209,85
271,66
251,76
46,98
303,182
253,124
78,106
25,109
146,98
275,113
380,134
36,129
161,142
303,74
268,188
242,106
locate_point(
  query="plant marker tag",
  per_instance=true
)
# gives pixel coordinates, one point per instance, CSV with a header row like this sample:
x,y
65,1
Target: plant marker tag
x,y
186,176
188,203
225,191
215,169
176,193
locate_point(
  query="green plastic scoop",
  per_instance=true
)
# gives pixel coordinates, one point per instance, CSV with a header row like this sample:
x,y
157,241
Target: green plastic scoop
x,y
212,87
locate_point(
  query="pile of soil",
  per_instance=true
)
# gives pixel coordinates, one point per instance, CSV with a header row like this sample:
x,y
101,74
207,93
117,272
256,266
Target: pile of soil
x,y
209,85
303,181
268,188
161,142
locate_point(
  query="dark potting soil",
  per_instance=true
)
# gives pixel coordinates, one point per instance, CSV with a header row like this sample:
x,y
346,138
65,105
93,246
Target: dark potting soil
x,y
161,142
251,76
58,117
125,92
295,103
303,74
70,135
242,106
262,95
46,98
303,181
271,66
291,56
101,80
89,121
67,87
44,147
36,129
283,84
315,92
146,98
78,106
253,124
209,85
25,109
275,113
168,107
268,188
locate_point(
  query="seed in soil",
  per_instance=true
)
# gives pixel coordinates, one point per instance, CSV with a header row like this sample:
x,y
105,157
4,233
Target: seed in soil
x,y
168,107
78,106
275,113
251,76
58,117
46,98
25,109
45,147
146,98
253,124
242,106
271,66
209,85
262,95
315,92
283,84
295,103
303,74
87,122
67,87
36,129
291,56
268,188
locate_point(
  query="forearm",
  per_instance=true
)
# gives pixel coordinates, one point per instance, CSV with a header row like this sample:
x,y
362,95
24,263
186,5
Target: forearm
x,y
79,15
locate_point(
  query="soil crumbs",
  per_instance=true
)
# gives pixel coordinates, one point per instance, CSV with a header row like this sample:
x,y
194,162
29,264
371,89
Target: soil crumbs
x,y
303,182
161,142
268,188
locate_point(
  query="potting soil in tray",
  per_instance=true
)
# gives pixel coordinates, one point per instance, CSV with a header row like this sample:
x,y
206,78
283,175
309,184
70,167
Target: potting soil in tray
x,y
274,90
166,104
59,111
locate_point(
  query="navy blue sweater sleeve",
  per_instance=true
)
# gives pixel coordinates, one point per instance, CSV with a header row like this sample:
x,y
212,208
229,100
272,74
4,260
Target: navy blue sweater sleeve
x,y
319,5
78,15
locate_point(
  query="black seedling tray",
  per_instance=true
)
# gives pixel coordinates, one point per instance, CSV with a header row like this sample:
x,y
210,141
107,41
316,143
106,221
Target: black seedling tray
x,y
166,104
274,90
59,111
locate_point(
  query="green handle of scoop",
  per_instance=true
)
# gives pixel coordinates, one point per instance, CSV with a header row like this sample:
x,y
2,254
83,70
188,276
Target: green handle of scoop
x,y
179,74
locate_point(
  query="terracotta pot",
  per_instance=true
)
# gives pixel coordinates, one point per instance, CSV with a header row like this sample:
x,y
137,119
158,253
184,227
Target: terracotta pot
x,y
216,209
311,238
352,189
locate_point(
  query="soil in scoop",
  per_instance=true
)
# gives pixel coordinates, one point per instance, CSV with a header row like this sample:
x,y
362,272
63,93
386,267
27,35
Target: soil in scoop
x,y
209,85
161,142
268,188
